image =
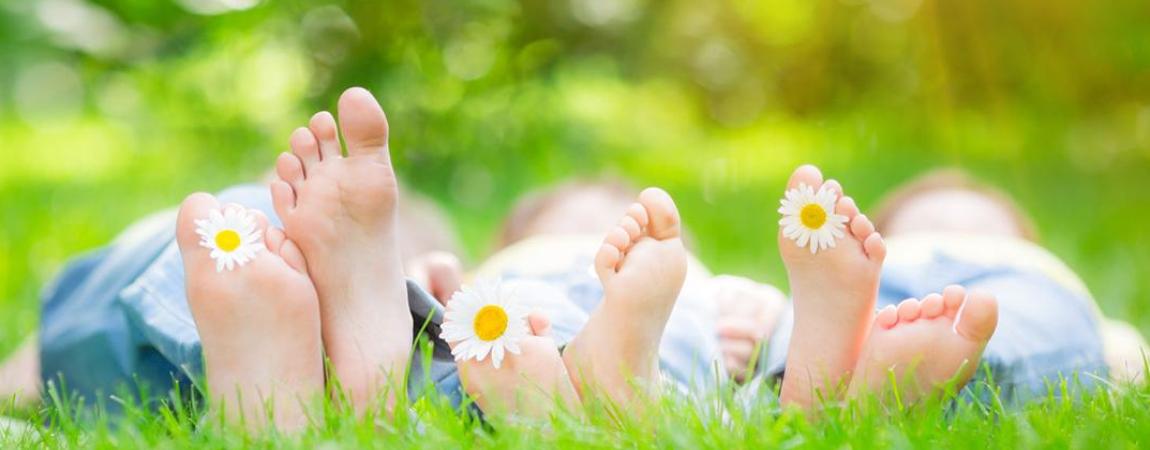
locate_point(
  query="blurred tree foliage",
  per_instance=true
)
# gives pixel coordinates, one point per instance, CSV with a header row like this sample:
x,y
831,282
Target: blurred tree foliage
x,y
110,109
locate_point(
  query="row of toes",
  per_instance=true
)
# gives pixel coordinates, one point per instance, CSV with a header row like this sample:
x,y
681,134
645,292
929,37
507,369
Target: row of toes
x,y
199,205
932,306
858,224
364,127
654,215
621,237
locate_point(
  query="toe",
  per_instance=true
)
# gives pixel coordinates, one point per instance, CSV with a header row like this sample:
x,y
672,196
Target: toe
x,y
875,247
862,227
806,174
978,318
283,197
305,147
847,206
909,310
196,207
606,261
619,239
632,227
292,255
834,186
638,213
952,298
539,323
932,306
290,169
274,238
322,126
363,123
887,317
663,215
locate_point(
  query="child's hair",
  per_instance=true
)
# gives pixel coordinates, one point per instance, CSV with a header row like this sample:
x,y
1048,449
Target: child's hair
x,y
531,207
945,180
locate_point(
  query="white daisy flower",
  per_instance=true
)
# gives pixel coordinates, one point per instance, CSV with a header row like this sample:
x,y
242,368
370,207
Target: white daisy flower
x,y
484,319
232,237
809,218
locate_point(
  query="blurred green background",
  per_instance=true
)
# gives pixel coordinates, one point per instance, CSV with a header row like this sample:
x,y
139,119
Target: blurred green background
x,y
111,109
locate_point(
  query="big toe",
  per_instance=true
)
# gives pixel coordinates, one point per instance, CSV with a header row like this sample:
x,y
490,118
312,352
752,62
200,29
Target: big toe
x,y
978,318
662,214
195,207
806,174
363,123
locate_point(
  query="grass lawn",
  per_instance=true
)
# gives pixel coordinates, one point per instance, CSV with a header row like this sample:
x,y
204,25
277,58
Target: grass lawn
x,y
1112,419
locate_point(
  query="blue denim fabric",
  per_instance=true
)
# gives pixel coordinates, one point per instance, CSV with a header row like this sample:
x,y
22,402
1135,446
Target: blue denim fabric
x,y
1046,332
117,321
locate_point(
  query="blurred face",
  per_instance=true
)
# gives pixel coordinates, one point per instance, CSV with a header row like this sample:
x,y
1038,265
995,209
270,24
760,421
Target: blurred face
x,y
583,212
953,210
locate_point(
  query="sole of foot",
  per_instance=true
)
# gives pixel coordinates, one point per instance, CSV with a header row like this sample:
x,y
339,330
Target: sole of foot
x,y
834,292
533,384
642,265
259,324
922,348
341,210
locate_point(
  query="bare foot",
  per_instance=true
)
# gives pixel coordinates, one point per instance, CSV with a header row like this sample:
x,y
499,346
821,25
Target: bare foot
x,y
258,323
529,384
642,265
926,344
341,211
834,294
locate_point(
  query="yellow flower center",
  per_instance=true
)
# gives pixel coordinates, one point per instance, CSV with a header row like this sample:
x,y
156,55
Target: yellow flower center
x,y
490,322
228,240
813,216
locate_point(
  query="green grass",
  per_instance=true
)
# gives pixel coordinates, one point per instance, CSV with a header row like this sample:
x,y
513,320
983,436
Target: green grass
x,y
723,419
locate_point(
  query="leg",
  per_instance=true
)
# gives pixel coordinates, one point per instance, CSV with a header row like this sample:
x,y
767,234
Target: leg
x,y
342,212
642,265
834,294
258,322
925,345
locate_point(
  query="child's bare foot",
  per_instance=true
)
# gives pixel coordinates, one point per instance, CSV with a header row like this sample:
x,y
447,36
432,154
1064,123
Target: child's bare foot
x,y
834,294
341,211
529,384
259,324
642,265
926,344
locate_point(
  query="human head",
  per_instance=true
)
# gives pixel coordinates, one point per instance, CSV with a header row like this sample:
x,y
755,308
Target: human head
x,y
573,207
953,201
